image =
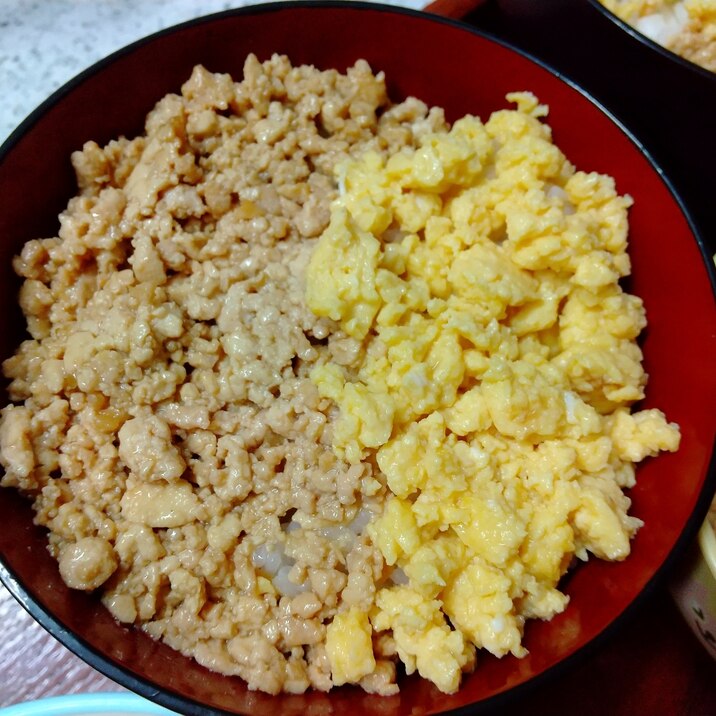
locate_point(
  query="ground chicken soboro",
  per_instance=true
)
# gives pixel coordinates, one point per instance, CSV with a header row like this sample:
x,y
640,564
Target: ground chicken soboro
x,y
164,421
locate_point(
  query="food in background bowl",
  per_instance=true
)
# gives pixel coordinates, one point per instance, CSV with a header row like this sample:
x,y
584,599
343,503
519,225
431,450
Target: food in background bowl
x,y
113,100
318,384
694,585
93,704
686,27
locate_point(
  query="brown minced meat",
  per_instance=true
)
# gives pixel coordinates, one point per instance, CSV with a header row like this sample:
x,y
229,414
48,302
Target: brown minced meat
x,y
163,419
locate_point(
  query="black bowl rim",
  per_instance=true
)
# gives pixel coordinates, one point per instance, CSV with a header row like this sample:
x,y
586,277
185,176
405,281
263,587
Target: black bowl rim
x,y
652,44
190,707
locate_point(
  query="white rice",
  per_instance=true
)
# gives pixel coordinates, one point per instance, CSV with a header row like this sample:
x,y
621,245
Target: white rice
x,y
663,25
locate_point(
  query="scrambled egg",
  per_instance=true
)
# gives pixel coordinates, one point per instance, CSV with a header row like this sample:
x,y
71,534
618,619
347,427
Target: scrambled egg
x,y
499,361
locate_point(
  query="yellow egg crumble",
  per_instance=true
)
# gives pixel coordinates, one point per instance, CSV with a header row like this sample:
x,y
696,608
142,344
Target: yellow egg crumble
x,y
493,386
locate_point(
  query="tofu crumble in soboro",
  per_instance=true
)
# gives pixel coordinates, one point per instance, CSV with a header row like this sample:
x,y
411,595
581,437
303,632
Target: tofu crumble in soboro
x,y
318,385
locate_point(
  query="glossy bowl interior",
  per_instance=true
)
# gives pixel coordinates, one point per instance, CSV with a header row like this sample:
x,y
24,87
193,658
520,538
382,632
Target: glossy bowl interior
x,y
444,64
652,45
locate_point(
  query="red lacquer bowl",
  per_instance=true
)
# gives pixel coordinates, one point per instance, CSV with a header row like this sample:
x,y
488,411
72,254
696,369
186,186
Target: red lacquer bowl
x,y
447,64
